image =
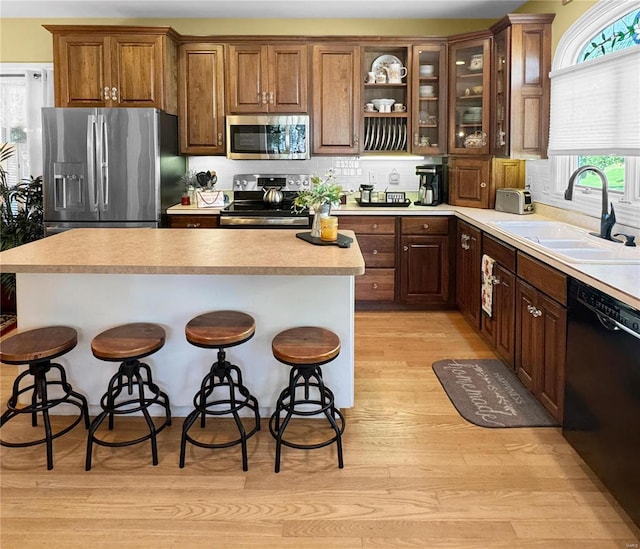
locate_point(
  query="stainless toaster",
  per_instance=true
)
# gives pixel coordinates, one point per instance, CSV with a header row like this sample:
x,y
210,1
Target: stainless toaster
x,y
517,201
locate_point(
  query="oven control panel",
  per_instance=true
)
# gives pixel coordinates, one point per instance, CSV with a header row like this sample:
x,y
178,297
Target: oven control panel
x,y
284,182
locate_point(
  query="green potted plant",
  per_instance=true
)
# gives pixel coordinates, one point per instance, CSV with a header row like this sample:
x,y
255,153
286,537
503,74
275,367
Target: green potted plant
x,y
21,218
323,194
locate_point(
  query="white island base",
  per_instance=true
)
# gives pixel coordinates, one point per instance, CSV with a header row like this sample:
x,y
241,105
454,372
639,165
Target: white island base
x,y
92,303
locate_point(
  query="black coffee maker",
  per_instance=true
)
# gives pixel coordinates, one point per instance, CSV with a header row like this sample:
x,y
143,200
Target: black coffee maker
x,y
433,189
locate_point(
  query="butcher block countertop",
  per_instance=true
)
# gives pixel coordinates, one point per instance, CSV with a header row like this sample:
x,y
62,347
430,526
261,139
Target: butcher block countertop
x,y
179,251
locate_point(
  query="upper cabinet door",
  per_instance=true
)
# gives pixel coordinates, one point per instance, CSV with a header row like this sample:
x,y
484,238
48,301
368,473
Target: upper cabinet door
x,y
201,102
469,83
336,99
136,70
82,71
288,78
429,100
267,78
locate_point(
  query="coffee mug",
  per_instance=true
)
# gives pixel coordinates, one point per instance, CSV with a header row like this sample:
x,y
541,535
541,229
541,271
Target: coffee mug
x,y
369,107
371,78
381,78
399,107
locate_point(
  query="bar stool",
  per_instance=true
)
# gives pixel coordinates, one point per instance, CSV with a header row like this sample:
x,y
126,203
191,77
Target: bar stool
x,y
38,348
220,394
127,344
306,349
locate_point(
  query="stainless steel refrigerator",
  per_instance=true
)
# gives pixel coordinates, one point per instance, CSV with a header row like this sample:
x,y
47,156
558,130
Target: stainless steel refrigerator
x,y
109,167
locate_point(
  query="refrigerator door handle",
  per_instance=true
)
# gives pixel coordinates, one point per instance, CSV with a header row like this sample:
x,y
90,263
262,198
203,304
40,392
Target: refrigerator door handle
x,y
104,162
91,162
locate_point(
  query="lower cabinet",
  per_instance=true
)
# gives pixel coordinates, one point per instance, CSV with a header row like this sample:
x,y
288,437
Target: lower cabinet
x,y
425,261
541,332
188,221
499,327
468,257
377,240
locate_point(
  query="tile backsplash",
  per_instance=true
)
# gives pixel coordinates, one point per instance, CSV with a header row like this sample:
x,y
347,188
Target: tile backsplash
x,y
351,171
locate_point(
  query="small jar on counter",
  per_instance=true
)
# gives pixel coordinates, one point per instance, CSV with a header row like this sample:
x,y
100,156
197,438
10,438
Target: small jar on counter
x,y
329,228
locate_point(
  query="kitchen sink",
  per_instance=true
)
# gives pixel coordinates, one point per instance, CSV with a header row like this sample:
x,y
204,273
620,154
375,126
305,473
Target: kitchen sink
x,y
568,242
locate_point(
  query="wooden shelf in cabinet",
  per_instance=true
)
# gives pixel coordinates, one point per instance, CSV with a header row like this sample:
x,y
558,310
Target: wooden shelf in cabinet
x,y
385,114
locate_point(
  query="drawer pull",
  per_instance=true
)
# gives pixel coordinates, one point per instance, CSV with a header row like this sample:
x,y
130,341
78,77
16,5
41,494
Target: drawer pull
x,y
425,226
193,225
374,226
374,286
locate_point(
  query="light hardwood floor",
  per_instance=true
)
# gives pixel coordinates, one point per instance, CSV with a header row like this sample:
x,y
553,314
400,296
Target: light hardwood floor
x,y
416,474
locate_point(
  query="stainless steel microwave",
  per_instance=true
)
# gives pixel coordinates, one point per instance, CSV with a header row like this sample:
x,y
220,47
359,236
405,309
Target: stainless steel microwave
x,y
264,137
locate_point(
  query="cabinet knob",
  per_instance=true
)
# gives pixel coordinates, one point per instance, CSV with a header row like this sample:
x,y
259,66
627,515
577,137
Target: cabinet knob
x,y
271,98
106,93
264,98
114,94
405,248
495,281
374,286
375,252
425,225
483,185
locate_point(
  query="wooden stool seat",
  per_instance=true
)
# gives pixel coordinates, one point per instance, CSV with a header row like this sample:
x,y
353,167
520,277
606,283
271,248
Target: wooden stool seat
x,y
128,341
45,382
222,391
220,329
38,344
131,389
306,345
305,349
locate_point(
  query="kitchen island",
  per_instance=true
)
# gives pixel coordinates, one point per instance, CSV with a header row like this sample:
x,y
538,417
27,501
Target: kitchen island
x,y
93,279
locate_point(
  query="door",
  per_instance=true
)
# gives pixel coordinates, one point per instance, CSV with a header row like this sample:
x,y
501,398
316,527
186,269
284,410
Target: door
x,y
469,183
130,155
424,270
69,185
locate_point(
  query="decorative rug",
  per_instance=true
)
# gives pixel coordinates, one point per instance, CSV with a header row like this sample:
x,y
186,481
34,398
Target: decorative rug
x,y
487,393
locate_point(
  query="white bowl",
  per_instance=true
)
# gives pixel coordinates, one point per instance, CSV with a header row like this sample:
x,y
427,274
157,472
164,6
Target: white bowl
x,y
474,110
426,91
426,70
378,102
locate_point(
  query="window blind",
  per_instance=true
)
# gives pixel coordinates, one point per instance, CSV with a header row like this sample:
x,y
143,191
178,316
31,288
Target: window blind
x,y
595,106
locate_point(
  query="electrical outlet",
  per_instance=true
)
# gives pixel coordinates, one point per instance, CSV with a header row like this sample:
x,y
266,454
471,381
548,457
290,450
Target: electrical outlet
x,y
373,177
394,177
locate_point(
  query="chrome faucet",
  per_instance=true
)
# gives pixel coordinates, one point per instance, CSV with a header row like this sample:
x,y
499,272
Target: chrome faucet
x,y
607,219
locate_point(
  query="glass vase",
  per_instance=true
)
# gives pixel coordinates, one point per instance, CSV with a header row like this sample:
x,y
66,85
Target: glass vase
x,y
322,210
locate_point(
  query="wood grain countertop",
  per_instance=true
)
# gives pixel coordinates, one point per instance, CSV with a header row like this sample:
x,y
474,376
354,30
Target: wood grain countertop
x,y
178,251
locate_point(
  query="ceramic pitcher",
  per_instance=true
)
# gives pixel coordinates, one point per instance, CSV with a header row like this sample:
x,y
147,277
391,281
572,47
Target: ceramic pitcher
x,y
395,72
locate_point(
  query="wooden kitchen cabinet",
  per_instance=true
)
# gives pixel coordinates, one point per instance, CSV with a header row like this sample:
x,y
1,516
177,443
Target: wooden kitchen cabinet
x,y
520,86
336,101
425,274
499,328
201,99
193,221
468,263
267,78
429,108
105,66
473,181
469,97
541,331
377,240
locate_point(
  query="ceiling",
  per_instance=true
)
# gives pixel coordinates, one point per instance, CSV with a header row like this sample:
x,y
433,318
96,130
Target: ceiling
x,y
262,9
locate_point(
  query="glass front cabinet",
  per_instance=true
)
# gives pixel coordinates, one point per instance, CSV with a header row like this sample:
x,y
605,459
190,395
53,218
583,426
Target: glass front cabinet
x,y
429,105
469,93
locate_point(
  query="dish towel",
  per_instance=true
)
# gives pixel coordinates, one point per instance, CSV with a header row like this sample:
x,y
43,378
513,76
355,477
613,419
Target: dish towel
x,y
487,284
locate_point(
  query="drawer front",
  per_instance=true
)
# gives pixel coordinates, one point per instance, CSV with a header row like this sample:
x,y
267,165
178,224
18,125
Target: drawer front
x,y
376,285
193,221
378,250
502,253
368,224
425,225
544,278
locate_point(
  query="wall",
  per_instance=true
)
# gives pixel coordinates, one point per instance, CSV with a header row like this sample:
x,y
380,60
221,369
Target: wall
x,y
25,41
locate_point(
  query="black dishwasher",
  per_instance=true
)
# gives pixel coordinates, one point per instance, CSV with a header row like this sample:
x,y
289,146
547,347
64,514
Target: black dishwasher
x,y
602,391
